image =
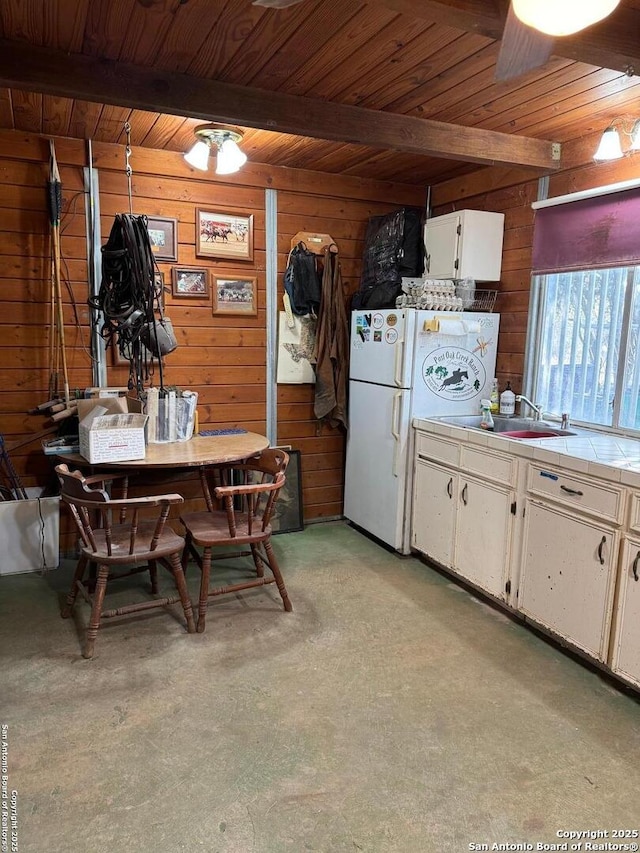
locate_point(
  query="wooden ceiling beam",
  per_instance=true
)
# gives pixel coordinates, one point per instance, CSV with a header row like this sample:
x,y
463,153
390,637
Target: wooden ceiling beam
x,y
484,17
576,154
40,69
613,43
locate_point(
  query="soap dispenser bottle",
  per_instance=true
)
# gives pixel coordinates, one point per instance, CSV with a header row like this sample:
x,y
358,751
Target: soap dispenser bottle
x,y
486,419
508,402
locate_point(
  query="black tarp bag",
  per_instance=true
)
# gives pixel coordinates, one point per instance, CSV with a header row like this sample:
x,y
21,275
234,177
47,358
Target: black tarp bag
x,y
393,248
301,281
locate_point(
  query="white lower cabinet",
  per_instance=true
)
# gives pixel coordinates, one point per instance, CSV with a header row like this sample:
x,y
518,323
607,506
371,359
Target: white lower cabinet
x,y
434,511
482,534
568,574
625,660
463,524
560,548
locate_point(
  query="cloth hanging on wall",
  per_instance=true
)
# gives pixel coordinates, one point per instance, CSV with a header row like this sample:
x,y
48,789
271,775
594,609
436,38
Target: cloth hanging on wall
x,y
296,345
332,347
301,280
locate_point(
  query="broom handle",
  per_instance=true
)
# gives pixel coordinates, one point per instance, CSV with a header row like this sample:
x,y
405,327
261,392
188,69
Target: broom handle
x,y
55,207
53,334
56,261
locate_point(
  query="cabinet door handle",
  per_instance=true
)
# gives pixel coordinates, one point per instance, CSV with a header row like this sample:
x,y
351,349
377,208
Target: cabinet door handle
x,y
603,542
634,567
450,491
427,263
572,491
463,494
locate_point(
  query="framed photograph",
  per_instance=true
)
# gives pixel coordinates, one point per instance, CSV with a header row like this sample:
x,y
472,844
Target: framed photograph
x,y
163,236
288,511
235,294
224,235
158,281
190,282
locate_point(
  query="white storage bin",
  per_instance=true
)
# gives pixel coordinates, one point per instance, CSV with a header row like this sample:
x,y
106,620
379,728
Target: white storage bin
x,y
29,534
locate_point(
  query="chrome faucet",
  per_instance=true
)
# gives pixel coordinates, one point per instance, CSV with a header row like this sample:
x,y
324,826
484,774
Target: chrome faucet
x,y
536,409
564,418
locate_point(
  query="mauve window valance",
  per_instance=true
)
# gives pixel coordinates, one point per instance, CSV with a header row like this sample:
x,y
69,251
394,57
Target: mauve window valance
x,y
603,231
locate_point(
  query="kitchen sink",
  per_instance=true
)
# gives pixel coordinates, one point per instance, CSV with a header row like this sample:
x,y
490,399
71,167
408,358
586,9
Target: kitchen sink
x,y
510,427
530,433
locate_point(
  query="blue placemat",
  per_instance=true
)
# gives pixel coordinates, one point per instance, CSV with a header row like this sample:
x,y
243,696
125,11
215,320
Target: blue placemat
x,y
233,431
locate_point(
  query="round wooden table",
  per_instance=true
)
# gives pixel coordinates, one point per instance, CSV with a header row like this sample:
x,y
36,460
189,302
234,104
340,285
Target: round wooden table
x,y
199,451
165,463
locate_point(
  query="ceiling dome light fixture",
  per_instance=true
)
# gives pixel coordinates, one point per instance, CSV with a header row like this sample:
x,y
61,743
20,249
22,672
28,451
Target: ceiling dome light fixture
x,y
229,157
562,18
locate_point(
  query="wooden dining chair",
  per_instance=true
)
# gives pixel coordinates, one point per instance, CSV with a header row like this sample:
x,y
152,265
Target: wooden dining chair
x,y
112,533
245,519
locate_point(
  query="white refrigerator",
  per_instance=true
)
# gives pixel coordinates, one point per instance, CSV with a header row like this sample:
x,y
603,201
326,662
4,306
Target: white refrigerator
x,y
405,364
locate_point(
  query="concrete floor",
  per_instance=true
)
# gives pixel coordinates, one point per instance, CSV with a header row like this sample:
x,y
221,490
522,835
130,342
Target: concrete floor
x,y
391,711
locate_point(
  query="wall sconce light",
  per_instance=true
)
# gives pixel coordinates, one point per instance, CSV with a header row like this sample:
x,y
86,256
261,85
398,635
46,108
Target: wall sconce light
x,y
610,147
229,157
562,18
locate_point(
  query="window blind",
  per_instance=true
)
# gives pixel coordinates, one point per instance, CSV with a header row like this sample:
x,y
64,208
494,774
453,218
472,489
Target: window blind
x,y
591,233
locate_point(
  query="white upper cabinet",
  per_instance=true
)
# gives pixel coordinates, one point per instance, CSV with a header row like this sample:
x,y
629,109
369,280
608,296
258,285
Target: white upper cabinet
x,y
467,243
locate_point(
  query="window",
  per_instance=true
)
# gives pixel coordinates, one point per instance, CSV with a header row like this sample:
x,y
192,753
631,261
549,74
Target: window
x,y
586,355
584,343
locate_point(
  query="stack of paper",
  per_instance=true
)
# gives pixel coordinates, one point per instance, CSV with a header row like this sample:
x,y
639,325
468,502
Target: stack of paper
x,y
186,414
171,414
151,409
165,421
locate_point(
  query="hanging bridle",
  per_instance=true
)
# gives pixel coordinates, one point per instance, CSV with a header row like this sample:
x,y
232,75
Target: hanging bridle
x,y
128,297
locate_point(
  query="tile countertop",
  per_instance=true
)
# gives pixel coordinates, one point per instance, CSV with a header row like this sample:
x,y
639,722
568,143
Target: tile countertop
x,y
599,454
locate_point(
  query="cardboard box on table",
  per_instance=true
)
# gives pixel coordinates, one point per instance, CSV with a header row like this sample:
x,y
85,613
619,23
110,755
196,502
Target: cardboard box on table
x,y
112,429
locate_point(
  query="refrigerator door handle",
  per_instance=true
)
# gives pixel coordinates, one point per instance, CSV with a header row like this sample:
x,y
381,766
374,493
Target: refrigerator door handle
x,y
398,362
395,429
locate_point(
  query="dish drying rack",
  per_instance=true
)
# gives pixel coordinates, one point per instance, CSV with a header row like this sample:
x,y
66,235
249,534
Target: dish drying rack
x,y
483,300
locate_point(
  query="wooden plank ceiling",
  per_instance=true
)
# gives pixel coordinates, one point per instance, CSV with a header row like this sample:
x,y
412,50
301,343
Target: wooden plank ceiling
x,y
430,61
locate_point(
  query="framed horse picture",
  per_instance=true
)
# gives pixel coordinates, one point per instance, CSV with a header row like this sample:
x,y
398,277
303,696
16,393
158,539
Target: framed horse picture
x,y
163,237
234,294
224,235
191,282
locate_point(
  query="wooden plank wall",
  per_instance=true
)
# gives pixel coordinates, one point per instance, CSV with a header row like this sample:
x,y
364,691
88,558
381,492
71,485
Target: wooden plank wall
x,y
223,358
25,293
515,202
